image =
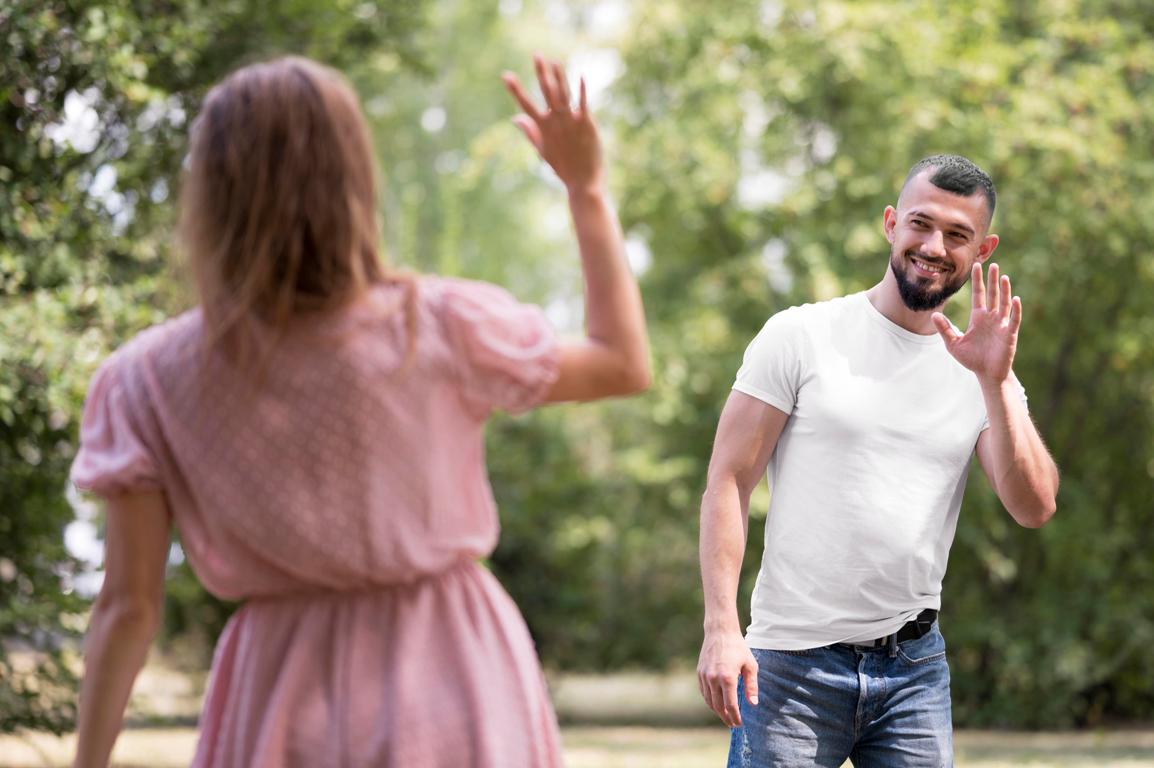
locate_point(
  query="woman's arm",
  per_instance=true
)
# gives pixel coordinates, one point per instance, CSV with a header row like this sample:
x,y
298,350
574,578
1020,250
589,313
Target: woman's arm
x,y
613,358
124,618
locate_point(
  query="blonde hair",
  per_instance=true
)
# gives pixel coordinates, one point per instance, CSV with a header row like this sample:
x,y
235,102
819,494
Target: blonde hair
x,y
278,204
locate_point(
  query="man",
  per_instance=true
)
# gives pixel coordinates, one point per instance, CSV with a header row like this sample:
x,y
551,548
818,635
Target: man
x,y
866,410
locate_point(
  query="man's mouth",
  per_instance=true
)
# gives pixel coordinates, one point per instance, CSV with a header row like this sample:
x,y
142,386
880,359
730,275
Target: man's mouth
x,y
928,268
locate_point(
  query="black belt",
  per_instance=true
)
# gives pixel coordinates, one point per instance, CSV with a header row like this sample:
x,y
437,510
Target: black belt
x,y
911,630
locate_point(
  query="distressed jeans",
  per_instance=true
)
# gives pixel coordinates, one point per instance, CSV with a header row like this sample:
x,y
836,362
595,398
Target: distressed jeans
x,y
878,707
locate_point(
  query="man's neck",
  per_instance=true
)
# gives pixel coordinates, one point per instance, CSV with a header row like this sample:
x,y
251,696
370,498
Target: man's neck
x,y
886,299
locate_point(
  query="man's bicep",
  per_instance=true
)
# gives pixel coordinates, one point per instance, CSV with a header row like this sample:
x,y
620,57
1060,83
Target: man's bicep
x,y
986,459
747,435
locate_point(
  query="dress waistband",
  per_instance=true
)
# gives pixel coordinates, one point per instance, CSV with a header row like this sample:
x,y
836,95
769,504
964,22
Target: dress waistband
x,y
309,592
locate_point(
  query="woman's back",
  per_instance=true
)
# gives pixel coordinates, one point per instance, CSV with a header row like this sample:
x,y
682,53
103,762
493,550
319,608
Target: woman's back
x,y
343,495
343,467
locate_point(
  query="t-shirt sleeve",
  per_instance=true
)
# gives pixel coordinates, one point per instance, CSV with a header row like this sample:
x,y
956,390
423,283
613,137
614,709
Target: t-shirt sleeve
x,y
507,353
1025,402
113,458
772,367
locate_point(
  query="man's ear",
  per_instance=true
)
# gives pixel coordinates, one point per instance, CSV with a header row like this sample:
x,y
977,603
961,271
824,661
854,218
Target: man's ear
x,y
986,249
890,222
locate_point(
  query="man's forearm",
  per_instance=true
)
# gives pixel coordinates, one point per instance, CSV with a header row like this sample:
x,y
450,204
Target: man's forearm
x,y
1023,473
724,511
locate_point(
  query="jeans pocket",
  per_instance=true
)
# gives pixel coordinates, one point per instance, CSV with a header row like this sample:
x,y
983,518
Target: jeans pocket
x,y
925,650
917,660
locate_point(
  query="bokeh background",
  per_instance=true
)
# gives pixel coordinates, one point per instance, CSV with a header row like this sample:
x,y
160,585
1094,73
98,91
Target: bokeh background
x,y
753,146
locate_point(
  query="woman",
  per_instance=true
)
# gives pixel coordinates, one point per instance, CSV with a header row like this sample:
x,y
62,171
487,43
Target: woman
x,y
314,430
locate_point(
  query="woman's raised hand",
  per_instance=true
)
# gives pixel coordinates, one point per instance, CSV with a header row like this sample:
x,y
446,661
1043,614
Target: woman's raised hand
x,y
563,133
613,358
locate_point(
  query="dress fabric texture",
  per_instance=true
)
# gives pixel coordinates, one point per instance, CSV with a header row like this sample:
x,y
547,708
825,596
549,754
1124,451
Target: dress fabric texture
x,y
344,500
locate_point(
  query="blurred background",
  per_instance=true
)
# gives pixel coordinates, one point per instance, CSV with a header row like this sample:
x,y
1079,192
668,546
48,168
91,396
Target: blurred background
x,y
753,147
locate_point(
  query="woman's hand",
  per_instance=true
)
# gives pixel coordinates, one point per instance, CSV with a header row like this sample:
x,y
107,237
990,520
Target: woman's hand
x,y
565,136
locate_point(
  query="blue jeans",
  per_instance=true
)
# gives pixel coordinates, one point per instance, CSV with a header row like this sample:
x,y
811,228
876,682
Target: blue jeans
x,y
878,707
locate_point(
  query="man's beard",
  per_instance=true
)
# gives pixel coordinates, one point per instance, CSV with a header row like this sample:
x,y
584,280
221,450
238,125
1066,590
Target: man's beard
x,y
916,295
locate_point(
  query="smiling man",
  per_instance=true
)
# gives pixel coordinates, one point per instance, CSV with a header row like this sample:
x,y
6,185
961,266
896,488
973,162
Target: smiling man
x,y
866,411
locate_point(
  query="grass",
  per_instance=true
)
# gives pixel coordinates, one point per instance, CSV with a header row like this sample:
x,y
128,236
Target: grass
x,y
603,746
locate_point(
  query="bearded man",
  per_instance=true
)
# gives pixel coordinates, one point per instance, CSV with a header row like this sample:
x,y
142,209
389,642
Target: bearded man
x,y
866,410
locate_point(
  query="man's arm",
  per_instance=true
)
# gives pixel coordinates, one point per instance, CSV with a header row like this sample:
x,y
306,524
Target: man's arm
x,y
746,437
124,618
1011,452
1014,457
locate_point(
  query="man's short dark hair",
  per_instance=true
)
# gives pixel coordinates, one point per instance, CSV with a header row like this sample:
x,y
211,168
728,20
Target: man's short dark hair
x,y
956,174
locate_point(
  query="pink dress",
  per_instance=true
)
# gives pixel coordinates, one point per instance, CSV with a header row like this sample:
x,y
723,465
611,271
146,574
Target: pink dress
x,y
346,502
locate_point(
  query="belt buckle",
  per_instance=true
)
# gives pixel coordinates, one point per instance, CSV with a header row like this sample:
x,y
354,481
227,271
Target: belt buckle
x,y
870,645
926,617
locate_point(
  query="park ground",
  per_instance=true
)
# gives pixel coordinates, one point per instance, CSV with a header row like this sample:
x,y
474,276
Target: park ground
x,y
616,721
600,746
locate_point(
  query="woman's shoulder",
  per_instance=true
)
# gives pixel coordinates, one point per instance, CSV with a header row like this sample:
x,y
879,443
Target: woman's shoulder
x,y
443,291
175,337
457,299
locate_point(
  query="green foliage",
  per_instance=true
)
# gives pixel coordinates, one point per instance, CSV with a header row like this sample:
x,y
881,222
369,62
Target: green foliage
x,y
460,187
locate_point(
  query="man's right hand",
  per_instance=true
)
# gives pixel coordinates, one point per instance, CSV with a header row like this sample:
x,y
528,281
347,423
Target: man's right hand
x,y
724,658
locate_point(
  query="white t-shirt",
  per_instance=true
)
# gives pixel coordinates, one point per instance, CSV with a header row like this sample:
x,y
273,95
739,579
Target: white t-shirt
x,y
867,477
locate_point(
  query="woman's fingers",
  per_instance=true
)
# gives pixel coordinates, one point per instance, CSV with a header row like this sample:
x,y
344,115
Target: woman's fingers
x,y
547,81
562,83
522,98
564,136
530,129
554,84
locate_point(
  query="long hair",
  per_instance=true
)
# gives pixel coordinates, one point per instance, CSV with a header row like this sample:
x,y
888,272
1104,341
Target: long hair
x,y
278,203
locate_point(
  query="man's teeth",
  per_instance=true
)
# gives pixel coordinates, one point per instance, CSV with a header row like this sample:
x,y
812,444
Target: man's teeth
x,y
928,267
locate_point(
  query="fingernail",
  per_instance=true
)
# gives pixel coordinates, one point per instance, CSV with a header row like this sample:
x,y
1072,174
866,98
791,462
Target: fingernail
x,y
753,700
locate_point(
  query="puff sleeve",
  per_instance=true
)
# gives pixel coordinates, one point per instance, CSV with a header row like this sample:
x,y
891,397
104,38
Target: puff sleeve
x,y
506,351
113,457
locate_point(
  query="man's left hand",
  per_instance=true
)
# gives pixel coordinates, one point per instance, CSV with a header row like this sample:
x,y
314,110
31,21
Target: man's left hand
x,y
988,345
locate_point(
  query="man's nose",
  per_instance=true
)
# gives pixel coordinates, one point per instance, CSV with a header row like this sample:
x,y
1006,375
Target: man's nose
x,y
936,244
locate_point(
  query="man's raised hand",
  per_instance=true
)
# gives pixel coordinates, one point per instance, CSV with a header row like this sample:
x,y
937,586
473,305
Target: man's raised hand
x,y
988,345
